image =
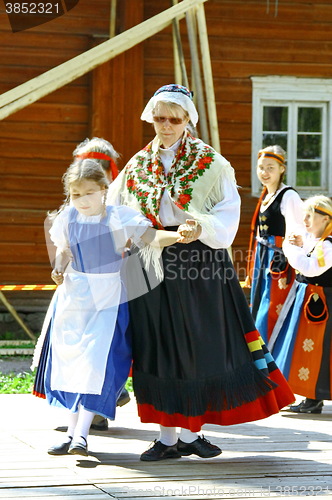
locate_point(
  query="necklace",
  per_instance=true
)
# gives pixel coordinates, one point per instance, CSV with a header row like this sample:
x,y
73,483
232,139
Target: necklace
x,y
268,198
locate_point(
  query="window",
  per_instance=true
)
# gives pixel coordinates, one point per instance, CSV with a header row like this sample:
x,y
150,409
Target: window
x,y
295,113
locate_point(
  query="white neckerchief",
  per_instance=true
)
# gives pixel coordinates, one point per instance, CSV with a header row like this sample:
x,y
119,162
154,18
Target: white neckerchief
x,y
167,155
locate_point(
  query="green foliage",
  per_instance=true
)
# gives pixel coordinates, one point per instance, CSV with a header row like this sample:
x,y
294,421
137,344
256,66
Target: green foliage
x,y
20,383
129,384
14,335
15,345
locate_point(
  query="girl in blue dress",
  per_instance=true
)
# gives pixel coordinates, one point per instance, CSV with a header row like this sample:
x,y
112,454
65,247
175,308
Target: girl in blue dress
x,y
87,359
278,212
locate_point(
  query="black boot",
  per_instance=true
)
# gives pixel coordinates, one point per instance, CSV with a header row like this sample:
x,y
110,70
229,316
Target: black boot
x,y
308,406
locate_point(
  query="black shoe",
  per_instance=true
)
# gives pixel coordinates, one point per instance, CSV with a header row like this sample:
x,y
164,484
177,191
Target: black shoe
x,y
59,449
201,447
124,398
308,406
160,451
77,448
99,423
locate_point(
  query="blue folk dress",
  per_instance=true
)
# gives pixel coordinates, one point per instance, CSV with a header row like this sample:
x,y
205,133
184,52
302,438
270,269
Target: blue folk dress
x,y
301,341
272,277
86,354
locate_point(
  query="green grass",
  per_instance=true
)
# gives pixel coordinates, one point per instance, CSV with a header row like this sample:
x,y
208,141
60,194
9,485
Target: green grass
x,y
22,383
12,383
13,345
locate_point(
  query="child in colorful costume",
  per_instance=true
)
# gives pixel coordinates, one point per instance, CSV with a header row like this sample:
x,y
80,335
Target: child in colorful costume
x,y
279,211
302,338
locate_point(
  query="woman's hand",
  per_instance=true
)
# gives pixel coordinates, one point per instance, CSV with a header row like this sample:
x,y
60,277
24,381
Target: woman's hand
x,y
57,276
190,231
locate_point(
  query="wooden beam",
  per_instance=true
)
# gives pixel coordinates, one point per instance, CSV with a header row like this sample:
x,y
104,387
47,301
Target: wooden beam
x,y
180,71
196,69
112,103
15,315
208,78
44,84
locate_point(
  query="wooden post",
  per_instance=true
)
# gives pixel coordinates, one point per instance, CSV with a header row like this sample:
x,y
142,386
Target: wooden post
x,y
112,104
112,18
180,71
197,76
44,84
13,312
207,71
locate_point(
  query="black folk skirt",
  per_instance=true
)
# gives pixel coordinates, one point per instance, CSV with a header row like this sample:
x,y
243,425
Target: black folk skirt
x,y
197,357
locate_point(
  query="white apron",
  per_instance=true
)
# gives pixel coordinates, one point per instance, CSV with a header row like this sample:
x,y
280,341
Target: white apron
x,y
83,329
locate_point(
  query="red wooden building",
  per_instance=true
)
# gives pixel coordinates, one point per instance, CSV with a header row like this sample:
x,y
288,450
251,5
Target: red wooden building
x,y
272,75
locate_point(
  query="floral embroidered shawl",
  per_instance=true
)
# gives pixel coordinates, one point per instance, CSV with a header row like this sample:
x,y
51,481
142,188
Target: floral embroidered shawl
x,y
191,182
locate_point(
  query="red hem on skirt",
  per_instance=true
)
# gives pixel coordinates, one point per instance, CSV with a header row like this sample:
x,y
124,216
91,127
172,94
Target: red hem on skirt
x,y
261,408
38,394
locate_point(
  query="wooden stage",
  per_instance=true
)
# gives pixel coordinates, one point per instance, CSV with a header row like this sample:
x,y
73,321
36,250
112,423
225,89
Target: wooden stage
x,y
284,456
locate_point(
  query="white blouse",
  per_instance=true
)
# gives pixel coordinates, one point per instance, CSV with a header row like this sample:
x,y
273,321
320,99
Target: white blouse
x,y
308,266
124,223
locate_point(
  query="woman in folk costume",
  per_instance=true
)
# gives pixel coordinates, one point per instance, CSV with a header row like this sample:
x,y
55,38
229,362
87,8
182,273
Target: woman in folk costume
x,y
197,357
278,211
86,361
302,339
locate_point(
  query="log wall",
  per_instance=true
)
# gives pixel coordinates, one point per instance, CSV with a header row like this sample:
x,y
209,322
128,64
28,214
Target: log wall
x,y
37,142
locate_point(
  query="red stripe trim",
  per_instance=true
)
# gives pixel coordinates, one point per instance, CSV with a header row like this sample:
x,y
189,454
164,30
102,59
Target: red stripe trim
x,y
261,408
39,395
252,336
101,156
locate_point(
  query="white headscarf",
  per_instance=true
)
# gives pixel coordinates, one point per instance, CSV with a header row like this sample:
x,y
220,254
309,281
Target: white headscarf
x,y
176,94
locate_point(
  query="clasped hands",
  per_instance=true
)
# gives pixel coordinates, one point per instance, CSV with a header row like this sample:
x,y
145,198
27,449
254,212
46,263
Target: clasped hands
x,y
190,231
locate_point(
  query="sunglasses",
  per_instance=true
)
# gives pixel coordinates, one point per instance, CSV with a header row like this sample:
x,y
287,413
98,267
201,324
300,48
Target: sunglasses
x,y
172,119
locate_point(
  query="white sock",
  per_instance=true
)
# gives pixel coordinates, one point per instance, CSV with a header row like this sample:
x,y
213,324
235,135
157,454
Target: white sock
x,y
187,436
72,422
168,435
82,428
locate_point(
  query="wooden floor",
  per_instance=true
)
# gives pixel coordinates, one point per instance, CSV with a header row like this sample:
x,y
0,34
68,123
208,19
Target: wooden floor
x,y
286,455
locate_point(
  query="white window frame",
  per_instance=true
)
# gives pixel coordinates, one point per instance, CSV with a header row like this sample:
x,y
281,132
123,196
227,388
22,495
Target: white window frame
x,y
293,91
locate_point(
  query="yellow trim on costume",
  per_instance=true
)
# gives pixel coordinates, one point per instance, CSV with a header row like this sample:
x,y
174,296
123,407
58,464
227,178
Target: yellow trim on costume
x,y
319,246
255,345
